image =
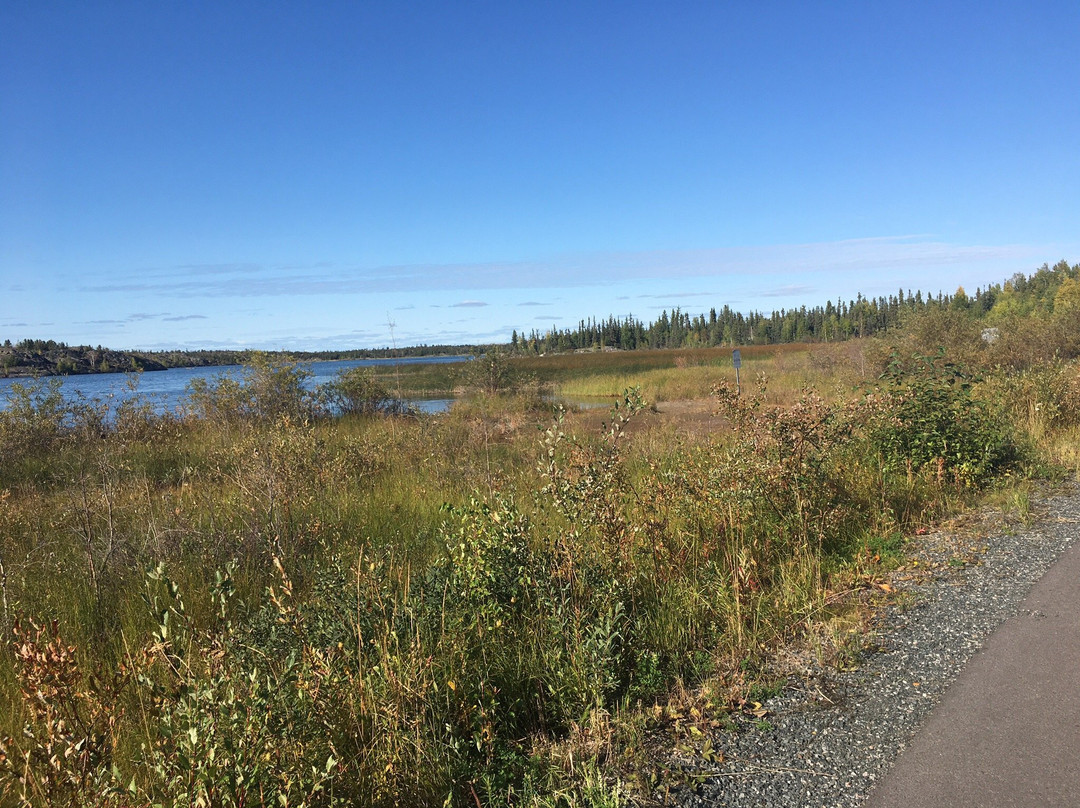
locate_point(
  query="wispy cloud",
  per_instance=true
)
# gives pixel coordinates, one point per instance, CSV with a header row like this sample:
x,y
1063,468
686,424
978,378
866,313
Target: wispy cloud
x,y
140,317
180,318
450,336
792,290
208,269
533,303
667,296
202,344
468,304
856,256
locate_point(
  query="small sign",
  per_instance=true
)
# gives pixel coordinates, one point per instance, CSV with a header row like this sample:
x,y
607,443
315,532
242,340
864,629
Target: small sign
x,y
736,359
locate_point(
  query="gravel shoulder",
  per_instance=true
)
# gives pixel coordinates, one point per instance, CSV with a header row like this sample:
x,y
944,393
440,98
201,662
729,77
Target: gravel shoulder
x,y
830,736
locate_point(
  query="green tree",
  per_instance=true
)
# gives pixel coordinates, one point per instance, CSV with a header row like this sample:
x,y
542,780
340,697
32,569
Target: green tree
x,y
1067,298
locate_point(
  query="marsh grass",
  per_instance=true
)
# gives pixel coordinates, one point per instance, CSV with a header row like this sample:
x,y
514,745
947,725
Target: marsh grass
x,y
692,373
484,607
606,374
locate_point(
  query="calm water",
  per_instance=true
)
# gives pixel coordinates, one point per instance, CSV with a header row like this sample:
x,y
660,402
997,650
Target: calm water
x,y
166,389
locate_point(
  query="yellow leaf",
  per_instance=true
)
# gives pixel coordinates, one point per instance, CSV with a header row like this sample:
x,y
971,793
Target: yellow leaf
x,y
757,710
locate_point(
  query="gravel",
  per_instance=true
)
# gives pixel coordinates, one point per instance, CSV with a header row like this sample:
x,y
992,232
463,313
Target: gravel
x,y
831,735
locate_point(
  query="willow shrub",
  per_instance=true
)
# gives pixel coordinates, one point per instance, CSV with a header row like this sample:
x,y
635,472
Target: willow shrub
x,y
268,386
929,416
32,422
358,391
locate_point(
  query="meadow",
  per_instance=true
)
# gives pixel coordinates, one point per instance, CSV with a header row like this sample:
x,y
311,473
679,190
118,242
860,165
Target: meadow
x,y
260,602
598,377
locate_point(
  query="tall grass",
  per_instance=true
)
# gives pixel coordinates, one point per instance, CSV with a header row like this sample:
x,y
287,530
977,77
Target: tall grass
x,y
267,605
692,373
601,374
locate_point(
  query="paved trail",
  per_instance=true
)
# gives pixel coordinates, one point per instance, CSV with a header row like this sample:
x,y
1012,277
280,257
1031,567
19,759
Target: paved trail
x,y
972,697
1007,732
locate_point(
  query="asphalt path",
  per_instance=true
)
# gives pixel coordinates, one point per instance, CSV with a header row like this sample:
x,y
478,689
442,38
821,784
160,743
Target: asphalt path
x,y
1007,731
967,691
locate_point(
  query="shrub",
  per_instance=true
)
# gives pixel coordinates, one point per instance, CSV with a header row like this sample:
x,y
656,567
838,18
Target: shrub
x,y
785,466
927,331
491,372
65,754
928,415
277,387
268,387
33,421
1036,339
1040,398
275,473
233,731
358,391
221,400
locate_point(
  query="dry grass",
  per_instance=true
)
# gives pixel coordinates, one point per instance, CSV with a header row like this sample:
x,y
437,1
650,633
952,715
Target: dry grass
x,y
783,371
477,651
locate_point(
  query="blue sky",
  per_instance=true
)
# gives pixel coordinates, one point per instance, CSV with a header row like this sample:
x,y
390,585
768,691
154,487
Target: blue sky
x,y
304,175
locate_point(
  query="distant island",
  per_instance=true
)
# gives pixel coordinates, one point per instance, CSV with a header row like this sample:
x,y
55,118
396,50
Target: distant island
x,y
37,357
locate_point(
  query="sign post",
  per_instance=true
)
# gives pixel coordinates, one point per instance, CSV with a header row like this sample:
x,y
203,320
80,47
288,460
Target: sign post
x,y
736,360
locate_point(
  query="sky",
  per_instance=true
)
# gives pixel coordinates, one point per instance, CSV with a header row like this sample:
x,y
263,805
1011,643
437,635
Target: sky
x,y
306,176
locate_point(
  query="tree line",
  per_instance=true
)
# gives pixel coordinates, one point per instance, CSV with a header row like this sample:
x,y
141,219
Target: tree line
x,y
1044,291
40,357
834,321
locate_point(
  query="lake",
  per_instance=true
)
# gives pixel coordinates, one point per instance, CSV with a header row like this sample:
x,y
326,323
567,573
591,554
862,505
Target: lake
x,y
166,390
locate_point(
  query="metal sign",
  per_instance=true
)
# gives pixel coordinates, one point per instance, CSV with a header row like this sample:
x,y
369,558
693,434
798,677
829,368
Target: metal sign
x,y
736,359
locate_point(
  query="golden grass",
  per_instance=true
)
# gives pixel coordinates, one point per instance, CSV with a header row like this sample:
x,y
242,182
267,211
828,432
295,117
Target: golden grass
x,y
786,370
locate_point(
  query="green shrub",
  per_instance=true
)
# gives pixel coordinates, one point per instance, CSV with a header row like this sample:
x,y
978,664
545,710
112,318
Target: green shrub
x,y
269,386
220,400
358,391
925,332
33,420
928,416
491,372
